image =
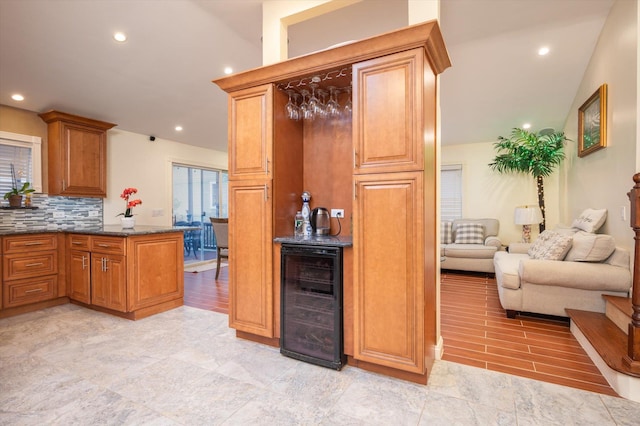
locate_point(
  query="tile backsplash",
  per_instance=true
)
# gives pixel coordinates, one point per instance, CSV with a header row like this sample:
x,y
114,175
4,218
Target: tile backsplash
x,y
53,214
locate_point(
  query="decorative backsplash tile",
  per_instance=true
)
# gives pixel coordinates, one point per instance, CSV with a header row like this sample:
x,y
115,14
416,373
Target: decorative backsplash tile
x,y
54,214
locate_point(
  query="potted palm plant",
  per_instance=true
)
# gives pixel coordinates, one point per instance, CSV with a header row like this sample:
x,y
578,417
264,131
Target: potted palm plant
x,y
536,154
15,195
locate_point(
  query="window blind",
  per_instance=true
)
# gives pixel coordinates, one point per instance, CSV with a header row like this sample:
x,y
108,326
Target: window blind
x,y
451,192
20,158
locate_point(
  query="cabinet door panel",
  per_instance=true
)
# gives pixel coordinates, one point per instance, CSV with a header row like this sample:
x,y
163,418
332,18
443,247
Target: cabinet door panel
x,y
389,271
251,130
108,280
250,258
83,146
80,276
387,113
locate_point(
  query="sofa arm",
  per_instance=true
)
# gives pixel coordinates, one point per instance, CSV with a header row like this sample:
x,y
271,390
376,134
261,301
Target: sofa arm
x,y
522,248
493,241
582,275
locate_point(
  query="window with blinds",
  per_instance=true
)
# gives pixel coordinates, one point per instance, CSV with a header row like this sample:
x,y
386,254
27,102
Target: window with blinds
x,y
22,153
451,192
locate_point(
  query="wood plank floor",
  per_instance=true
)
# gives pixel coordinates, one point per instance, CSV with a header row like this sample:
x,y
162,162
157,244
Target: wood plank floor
x,y
475,330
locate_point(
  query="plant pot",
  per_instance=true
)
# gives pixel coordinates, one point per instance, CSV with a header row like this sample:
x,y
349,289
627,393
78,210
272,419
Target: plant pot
x,y
128,222
15,201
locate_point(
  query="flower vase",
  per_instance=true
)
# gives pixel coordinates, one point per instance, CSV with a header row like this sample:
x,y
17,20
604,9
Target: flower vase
x,y
128,222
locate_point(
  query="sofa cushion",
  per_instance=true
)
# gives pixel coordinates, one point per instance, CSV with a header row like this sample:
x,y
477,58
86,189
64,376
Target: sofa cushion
x,y
550,245
470,233
590,220
470,251
507,266
446,234
588,247
491,226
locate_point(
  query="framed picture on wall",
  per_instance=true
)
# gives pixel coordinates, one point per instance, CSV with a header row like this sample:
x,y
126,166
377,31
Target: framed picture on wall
x,y
592,123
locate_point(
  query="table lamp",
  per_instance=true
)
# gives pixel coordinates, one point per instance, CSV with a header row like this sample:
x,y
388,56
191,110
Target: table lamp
x,y
527,216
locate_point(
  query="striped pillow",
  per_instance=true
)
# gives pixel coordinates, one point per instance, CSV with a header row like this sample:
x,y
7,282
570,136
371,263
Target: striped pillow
x,y
446,235
470,233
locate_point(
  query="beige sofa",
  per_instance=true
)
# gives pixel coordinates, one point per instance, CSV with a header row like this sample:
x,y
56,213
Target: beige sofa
x,y
550,286
476,257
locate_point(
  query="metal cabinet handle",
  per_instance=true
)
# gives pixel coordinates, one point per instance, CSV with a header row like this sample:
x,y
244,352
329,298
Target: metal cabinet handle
x,y
103,245
84,265
34,243
34,264
76,242
35,290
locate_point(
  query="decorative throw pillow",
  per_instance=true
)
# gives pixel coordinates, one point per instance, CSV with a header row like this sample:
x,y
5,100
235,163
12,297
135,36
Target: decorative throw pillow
x,y
445,232
470,233
588,247
550,245
590,220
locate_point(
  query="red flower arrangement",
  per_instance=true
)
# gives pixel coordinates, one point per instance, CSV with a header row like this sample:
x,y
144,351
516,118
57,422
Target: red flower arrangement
x,y
128,192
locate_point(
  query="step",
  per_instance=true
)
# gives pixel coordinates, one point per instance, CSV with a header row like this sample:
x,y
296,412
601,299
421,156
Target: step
x,y
605,337
619,310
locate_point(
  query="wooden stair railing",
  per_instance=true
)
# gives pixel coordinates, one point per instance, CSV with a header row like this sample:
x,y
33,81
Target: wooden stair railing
x,y
632,358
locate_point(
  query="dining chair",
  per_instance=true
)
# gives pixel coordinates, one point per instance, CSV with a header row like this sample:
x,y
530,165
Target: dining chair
x,y
221,232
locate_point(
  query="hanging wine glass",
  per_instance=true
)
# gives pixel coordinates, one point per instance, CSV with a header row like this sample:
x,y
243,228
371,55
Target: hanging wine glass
x,y
321,111
348,107
291,109
313,101
333,108
296,96
305,108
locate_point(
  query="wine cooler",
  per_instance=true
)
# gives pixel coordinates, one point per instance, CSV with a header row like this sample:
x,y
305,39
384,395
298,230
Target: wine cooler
x,y
311,304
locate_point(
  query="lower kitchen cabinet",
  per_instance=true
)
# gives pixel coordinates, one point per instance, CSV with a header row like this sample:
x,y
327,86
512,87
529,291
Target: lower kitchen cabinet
x,y
30,269
135,276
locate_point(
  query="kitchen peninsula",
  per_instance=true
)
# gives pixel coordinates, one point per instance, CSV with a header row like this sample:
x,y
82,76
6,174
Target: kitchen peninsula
x,y
132,273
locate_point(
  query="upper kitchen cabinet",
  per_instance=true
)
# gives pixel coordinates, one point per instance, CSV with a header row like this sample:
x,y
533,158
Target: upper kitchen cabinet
x,y
77,155
389,112
251,130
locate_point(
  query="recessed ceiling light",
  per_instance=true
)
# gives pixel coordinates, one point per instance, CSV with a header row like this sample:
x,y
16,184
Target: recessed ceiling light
x,y
526,126
543,51
178,128
120,37
228,70
17,97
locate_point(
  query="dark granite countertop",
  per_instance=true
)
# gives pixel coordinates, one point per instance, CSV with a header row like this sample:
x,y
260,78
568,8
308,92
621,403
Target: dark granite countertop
x,y
115,230
327,240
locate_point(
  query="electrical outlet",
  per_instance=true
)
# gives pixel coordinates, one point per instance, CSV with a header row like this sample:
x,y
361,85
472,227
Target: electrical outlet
x,y
93,213
337,213
58,215
623,213
157,212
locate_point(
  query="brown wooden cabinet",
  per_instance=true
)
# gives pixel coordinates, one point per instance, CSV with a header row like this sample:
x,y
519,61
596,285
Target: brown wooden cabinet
x,y
390,317
30,269
77,155
389,295
135,275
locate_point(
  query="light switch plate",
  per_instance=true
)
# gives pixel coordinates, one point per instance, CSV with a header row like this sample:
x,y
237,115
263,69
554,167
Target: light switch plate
x,y
58,215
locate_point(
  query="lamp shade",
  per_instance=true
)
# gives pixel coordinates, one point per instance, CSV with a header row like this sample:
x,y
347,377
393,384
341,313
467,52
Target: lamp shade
x,y
528,215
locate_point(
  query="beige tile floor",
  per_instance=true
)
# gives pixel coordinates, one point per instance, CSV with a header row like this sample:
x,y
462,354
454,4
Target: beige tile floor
x,y
72,366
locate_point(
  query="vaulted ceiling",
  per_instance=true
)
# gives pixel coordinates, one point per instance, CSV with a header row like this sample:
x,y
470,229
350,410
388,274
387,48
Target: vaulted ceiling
x,y
60,55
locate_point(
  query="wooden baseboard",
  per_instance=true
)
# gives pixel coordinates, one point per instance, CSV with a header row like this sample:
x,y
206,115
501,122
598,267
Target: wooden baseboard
x,y
271,341
388,371
136,315
9,312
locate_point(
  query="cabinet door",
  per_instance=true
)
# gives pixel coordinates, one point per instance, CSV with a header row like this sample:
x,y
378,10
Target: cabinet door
x,y
388,116
389,295
251,133
108,281
79,276
250,258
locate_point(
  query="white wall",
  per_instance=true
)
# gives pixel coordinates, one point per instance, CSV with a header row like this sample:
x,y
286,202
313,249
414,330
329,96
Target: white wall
x,y
603,178
487,193
134,161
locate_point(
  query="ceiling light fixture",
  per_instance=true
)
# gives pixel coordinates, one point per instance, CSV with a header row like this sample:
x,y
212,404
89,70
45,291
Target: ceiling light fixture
x,y
120,37
543,51
178,128
526,126
17,97
228,70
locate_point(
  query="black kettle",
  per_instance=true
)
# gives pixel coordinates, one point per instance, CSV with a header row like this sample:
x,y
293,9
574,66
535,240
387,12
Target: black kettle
x,y
320,221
